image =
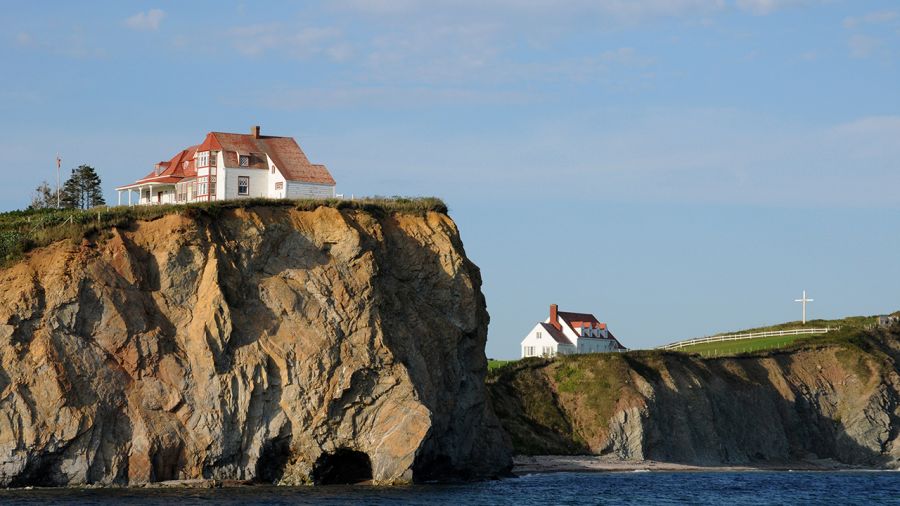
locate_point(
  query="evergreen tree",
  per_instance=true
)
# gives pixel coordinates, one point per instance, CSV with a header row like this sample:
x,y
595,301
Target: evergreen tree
x,y
43,197
82,190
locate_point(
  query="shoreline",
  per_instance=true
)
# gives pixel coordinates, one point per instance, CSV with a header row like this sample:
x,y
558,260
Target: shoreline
x,y
523,465
541,464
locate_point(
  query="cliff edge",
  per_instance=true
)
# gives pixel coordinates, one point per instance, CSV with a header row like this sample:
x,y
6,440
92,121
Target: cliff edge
x,y
837,400
264,343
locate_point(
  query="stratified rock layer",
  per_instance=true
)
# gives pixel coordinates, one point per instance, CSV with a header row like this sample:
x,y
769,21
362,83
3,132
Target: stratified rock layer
x,y
838,401
249,345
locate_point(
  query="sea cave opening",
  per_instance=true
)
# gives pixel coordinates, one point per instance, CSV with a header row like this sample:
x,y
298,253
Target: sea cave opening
x,y
343,467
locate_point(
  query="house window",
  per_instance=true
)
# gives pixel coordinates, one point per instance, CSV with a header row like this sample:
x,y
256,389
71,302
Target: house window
x,y
279,185
243,185
203,160
245,161
548,351
529,351
273,169
538,335
201,187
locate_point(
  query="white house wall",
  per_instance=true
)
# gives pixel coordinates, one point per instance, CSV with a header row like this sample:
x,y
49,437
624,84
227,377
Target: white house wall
x,y
227,183
274,179
592,345
298,190
545,346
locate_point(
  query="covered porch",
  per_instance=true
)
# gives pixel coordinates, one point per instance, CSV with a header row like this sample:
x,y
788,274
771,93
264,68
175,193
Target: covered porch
x,y
147,194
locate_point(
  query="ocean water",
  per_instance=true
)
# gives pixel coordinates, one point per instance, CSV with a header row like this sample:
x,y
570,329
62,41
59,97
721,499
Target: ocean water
x,y
719,489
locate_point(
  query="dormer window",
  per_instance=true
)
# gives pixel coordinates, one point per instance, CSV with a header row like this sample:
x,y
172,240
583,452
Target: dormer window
x,y
245,160
203,159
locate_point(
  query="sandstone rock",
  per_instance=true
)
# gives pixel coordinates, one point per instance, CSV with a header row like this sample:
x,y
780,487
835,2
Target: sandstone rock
x,y
253,346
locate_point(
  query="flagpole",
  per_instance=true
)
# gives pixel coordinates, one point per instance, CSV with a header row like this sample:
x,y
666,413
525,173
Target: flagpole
x,y
58,163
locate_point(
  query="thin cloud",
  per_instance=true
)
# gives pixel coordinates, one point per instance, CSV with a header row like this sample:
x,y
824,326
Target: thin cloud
x,y
872,18
146,21
24,39
387,96
255,40
765,7
863,46
628,10
77,44
632,10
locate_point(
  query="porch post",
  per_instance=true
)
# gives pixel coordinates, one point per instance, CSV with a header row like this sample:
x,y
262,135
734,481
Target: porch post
x,y
119,193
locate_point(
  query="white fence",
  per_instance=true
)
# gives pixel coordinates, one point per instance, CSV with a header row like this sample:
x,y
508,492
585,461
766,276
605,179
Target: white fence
x,y
751,335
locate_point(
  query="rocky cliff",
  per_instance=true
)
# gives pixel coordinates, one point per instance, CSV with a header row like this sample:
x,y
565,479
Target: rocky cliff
x,y
838,400
266,343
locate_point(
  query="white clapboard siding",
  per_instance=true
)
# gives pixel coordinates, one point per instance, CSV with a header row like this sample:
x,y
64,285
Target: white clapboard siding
x,y
298,190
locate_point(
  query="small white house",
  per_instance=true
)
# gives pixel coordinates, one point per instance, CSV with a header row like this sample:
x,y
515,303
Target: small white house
x,y
228,166
567,333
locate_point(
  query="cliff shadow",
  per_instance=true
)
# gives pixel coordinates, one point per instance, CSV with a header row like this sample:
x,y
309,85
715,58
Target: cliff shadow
x,y
428,297
728,411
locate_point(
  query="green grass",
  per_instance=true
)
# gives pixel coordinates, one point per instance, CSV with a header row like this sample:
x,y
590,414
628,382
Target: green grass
x,y
22,231
596,377
848,327
851,321
494,365
743,346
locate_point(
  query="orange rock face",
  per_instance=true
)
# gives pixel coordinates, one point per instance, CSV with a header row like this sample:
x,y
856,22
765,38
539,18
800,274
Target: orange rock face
x,y
247,346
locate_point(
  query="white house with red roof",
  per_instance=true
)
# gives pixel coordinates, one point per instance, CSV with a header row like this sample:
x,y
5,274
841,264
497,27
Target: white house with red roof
x,y
567,333
233,166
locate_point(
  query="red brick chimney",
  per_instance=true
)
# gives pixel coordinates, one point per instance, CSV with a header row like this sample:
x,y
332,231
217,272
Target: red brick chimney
x,y
554,317
254,131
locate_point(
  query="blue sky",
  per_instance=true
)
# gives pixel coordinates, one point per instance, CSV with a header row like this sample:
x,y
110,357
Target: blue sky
x,y
677,167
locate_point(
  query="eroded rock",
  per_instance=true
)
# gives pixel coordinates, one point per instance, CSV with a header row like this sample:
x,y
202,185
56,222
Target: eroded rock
x,y
246,347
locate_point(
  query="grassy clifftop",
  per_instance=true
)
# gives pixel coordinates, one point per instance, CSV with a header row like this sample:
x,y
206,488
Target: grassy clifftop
x,y
22,231
846,329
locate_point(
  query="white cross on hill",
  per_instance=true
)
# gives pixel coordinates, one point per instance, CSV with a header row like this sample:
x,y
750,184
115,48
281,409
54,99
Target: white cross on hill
x,y
803,300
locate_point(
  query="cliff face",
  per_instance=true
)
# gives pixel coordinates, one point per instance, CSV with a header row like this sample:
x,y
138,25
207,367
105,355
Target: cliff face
x,y
840,401
265,343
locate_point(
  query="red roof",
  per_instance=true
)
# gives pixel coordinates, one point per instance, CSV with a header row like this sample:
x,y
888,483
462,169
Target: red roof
x,y
292,162
284,152
578,321
210,143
